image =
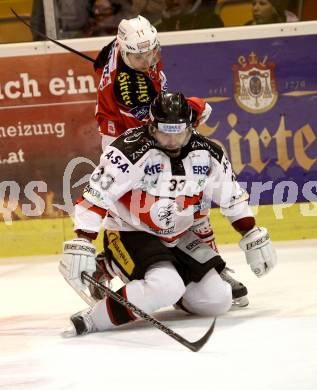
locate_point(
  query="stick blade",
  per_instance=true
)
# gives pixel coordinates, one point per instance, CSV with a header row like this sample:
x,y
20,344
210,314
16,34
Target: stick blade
x,y
197,345
193,346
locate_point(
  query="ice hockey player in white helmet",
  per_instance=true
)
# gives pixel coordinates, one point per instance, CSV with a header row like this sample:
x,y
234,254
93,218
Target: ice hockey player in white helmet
x,y
131,75
148,193
138,36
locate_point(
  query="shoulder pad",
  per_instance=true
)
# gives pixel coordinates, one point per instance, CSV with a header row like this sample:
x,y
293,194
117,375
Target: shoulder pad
x,y
199,142
103,56
134,143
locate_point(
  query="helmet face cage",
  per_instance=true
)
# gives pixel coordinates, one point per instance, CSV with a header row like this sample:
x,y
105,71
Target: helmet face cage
x,y
171,113
136,35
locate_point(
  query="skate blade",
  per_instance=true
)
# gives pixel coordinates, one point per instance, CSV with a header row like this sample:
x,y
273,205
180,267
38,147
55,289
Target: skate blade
x,y
240,302
69,332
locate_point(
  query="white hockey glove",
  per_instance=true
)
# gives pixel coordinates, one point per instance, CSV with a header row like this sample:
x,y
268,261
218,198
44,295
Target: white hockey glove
x,y
259,252
79,255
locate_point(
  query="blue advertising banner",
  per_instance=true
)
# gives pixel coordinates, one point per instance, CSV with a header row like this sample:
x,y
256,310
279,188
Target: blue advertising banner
x,y
263,93
264,98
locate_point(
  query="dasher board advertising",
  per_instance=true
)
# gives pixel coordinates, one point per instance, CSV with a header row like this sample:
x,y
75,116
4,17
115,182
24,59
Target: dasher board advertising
x,y
263,93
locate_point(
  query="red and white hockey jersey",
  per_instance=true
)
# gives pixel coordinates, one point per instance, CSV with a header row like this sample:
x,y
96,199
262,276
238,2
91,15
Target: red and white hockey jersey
x,y
124,94
139,187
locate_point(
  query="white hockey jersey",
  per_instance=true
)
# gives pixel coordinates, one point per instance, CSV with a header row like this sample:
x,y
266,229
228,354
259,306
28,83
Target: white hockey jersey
x,y
142,188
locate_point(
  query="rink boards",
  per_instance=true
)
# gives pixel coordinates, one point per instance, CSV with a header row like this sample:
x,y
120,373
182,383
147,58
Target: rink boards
x,y
45,236
261,83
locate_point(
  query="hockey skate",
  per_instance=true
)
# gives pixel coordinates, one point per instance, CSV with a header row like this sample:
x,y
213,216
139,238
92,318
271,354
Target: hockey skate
x,y
102,275
239,291
81,324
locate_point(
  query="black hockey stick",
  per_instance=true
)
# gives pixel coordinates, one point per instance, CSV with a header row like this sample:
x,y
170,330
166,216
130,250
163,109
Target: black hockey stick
x,y
193,346
51,39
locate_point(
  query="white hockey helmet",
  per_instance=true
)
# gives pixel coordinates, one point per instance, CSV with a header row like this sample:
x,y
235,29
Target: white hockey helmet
x,y
136,35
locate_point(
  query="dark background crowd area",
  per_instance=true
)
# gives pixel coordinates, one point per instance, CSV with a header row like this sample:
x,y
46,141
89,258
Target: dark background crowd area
x,y
93,18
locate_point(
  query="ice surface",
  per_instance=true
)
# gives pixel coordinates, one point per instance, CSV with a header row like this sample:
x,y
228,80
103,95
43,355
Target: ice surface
x,y
270,345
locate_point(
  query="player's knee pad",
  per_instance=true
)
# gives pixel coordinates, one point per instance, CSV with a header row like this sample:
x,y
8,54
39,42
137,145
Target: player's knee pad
x,y
217,305
164,284
210,297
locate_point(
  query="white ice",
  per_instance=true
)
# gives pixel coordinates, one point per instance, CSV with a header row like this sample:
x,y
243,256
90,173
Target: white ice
x,y
270,345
